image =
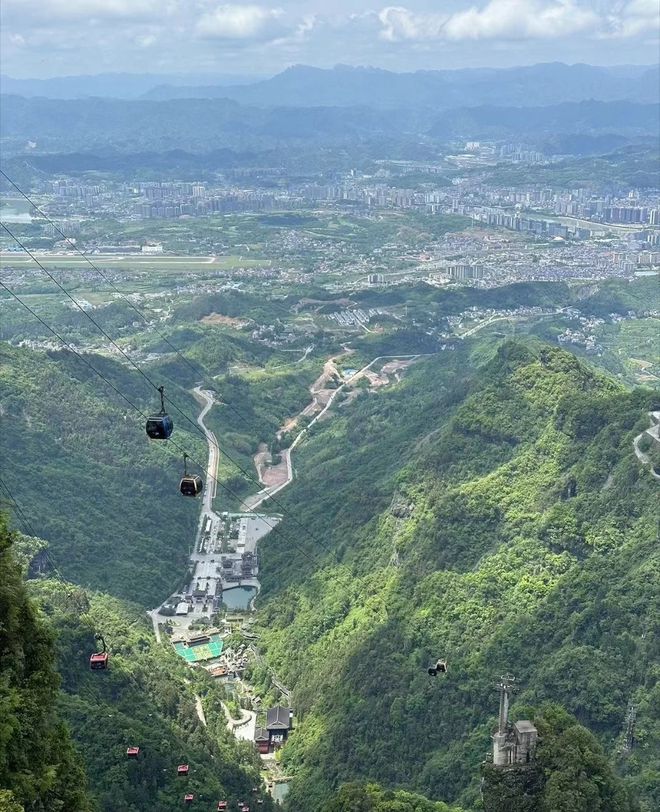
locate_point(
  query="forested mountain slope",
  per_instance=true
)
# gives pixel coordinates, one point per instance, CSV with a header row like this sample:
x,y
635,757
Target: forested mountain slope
x,y
38,766
98,491
498,518
146,698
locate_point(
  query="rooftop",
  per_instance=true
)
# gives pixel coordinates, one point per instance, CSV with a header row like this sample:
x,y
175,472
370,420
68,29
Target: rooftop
x,y
278,718
525,726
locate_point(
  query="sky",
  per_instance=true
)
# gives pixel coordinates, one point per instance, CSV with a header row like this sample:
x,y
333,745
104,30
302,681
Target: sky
x,y
44,38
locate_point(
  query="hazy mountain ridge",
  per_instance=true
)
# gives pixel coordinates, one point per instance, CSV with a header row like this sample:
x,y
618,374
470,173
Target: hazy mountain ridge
x,y
343,86
200,125
108,85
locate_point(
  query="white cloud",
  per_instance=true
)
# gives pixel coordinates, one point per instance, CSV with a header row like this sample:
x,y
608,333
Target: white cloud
x,y
402,24
68,10
265,36
145,40
517,20
522,19
638,18
249,22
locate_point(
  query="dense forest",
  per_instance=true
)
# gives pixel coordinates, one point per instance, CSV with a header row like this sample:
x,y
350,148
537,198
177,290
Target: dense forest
x,y
146,698
39,769
488,508
499,519
98,491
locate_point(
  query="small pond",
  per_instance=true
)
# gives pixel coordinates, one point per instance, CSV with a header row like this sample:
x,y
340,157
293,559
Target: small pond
x,y
280,791
238,597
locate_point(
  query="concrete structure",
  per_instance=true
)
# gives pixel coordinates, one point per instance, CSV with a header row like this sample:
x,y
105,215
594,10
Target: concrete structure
x,y
512,744
525,736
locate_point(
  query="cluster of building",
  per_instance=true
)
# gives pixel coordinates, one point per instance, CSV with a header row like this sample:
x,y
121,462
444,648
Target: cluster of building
x,y
221,202
580,338
349,318
539,227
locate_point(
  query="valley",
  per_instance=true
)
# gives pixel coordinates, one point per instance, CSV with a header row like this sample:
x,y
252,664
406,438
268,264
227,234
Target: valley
x,y
417,457
408,356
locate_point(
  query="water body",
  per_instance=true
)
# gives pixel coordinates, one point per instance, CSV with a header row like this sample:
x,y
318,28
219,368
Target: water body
x,y
13,211
280,791
238,597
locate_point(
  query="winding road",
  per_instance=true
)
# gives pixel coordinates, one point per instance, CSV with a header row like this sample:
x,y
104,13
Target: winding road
x,y
253,502
206,398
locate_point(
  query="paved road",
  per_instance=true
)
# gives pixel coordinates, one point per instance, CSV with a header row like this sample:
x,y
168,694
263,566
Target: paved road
x,y
253,502
653,431
243,728
200,710
206,397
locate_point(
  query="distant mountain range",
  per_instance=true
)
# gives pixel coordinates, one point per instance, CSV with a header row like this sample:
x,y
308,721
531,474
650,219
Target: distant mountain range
x,y
343,86
201,125
111,85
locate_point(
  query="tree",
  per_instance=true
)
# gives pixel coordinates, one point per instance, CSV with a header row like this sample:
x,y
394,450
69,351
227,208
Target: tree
x,y
38,766
578,776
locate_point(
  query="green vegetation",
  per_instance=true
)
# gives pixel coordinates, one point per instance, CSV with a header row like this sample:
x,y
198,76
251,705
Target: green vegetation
x,y
497,517
38,765
570,773
146,698
631,166
373,798
97,489
487,508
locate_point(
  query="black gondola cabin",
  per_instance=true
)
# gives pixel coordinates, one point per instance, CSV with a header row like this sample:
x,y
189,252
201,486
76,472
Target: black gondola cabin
x,y
439,668
191,485
160,426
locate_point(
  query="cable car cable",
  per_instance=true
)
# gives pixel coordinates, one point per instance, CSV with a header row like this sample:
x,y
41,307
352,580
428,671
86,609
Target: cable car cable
x,y
30,530
19,511
138,410
195,366
193,423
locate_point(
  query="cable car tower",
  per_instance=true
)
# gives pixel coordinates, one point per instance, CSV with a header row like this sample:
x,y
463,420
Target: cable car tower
x,y
629,736
500,748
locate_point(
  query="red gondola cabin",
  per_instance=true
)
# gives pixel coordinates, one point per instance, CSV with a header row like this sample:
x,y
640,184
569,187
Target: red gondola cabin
x,y
99,661
189,798
133,752
222,805
182,770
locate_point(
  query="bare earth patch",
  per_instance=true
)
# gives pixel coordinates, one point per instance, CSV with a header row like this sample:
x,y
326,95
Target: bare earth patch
x,y
227,321
269,475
